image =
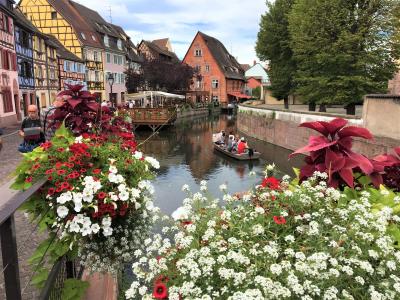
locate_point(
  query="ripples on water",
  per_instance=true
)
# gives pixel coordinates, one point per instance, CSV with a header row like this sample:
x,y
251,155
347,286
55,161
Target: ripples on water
x,y
187,156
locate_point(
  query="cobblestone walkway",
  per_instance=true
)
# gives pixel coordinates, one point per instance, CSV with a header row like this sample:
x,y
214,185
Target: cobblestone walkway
x,y
27,237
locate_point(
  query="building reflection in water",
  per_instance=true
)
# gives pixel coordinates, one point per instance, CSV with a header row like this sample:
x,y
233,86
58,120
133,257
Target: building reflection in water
x,y
187,156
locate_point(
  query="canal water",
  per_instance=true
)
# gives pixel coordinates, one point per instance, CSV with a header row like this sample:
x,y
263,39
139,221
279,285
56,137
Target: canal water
x,y
186,155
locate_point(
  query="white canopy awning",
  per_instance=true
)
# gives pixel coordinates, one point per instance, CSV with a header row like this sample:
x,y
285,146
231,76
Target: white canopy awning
x,y
146,94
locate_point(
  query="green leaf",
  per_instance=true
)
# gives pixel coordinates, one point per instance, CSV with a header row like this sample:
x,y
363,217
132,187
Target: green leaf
x,y
40,278
74,289
394,232
40,251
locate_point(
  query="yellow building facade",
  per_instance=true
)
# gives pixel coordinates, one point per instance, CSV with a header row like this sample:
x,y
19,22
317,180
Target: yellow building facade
x,y
45,71
61,19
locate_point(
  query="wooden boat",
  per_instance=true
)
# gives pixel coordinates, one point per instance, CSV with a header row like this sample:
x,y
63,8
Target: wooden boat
x,y
243,156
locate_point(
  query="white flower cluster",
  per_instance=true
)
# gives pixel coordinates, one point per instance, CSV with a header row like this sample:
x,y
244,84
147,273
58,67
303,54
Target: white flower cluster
x,y
81,204
314,249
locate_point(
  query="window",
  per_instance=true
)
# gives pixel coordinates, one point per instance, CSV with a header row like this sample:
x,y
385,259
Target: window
x,y
96,76
83,35
198,84
215,98
7,102
197,68
52,74
197,52
54,15
68,66
79,68
106,41
115,59
119,44
24,39
214,84
95,55
93,38
6,60
119,59
87,75
108,58
207,68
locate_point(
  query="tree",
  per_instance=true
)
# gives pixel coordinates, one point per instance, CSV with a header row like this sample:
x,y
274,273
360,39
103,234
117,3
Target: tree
x,y
256,92
160,75
344,49
273,44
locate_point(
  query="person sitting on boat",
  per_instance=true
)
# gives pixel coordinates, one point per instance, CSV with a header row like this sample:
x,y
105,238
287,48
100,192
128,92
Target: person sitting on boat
x,y
242,146
235,143
231,141
220,138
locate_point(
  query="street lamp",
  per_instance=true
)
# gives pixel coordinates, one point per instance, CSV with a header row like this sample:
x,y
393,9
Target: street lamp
x,y
111,82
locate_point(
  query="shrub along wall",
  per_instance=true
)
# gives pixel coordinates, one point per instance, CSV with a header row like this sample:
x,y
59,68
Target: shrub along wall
x,y
281,128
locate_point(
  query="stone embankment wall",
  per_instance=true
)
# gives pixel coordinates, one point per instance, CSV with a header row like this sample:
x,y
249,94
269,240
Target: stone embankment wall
x,y
193,112
281,128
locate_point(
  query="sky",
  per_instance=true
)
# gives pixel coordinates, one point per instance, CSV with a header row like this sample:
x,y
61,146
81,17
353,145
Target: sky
x,y
234,22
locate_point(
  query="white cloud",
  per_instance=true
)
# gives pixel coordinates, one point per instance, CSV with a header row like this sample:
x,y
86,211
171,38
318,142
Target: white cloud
x,y
235,23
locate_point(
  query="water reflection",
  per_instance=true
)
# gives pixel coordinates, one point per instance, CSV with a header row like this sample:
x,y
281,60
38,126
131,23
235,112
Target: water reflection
x,y
187,156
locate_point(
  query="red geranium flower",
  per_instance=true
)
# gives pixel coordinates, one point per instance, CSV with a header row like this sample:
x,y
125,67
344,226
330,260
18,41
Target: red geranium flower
x,y
65,185
101,195
61,172
271,183
185,223
46,145
83,171
29,179
51,191
49,171
50,178
85,135
96,171
36,166
160,291
61,149
59,165
279,220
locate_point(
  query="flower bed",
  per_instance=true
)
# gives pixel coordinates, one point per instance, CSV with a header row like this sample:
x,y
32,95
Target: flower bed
x,y
279,241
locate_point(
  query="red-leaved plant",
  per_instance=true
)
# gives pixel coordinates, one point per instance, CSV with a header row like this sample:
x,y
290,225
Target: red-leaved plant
x,y
331,153
387,170
80,110
82,114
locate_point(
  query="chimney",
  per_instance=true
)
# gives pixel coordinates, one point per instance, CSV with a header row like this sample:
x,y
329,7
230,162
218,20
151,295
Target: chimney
x,y
254,62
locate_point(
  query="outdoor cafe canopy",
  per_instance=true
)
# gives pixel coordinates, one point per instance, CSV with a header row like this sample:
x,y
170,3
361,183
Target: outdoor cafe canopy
x,y
151,94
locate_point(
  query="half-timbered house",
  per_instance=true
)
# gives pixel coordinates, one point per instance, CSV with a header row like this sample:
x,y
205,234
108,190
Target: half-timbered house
x,y
9,106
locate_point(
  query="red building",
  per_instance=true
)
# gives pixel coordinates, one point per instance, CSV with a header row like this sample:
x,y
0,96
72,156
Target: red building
x,y
9,88
222,77
254,81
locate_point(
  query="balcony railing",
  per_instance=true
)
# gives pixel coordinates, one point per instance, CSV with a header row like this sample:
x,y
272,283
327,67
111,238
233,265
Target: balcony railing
x,y
63,269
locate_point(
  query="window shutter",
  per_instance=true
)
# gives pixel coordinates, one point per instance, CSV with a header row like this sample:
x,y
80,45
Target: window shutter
x,y
4,55
15,62
10,25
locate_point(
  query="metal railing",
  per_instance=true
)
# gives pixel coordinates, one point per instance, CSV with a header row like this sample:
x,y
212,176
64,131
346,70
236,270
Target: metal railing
x,y
9,203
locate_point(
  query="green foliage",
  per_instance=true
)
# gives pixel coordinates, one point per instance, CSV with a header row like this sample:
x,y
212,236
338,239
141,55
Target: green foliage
x,y
343,49
74,289
256,92
273,44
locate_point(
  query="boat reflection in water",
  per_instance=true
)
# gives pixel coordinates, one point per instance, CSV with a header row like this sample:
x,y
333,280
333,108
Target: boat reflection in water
x,y
186,154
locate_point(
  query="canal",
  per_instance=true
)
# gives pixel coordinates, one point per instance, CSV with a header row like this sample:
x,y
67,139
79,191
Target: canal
x,y
186,155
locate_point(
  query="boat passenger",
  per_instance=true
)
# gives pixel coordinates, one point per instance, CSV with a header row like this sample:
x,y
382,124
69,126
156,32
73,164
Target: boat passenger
x,y
220,138
242,146
230,143
235,143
